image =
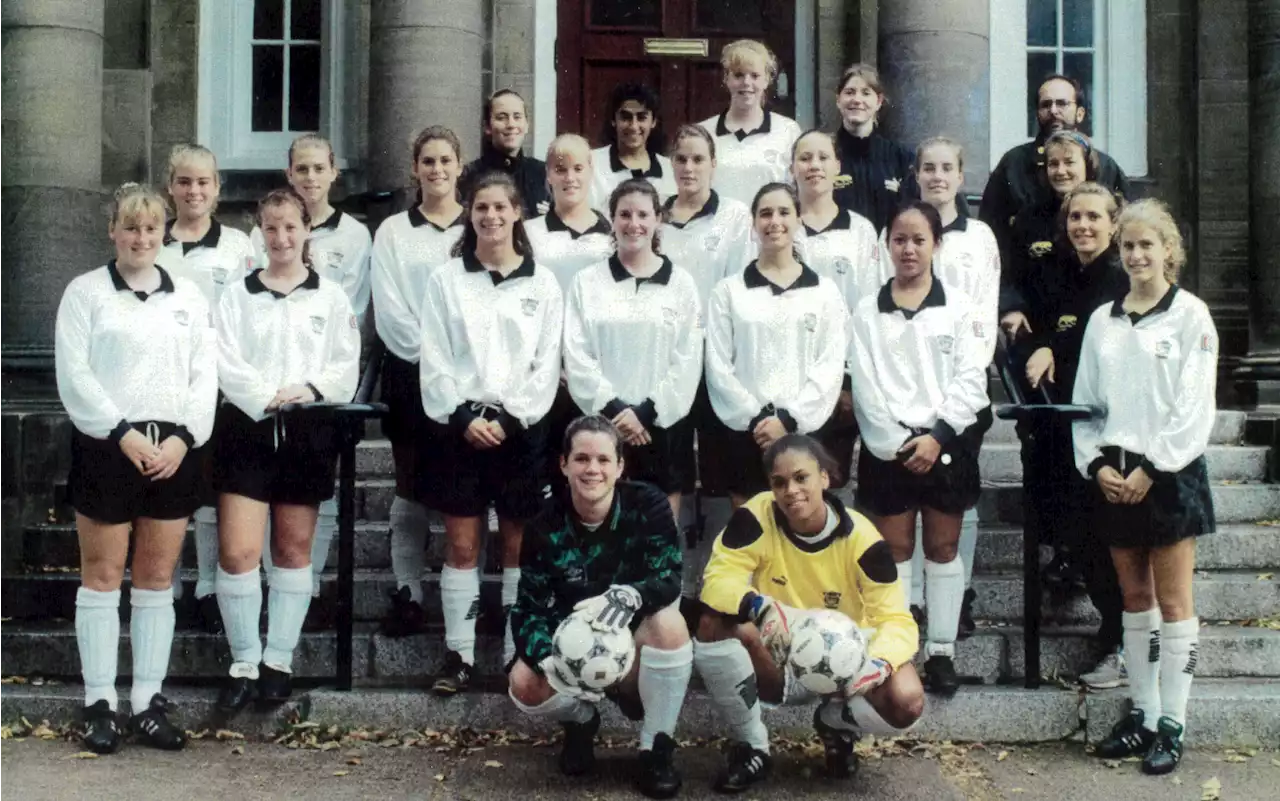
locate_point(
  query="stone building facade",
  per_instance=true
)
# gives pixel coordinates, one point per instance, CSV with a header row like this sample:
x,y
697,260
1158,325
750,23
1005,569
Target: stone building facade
x,y
1185,93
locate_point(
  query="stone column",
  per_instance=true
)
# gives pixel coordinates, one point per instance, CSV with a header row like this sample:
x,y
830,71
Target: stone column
x,y
54,221
1263,362
934,62
426,59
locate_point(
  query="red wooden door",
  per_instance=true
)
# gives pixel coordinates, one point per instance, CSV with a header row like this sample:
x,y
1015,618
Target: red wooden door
x,y
601,43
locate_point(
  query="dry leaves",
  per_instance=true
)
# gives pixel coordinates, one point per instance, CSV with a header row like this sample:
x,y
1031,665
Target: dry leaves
x,y
492,763
238,750
83,755
227,734
1266,576
1211,790
1002,756
341,772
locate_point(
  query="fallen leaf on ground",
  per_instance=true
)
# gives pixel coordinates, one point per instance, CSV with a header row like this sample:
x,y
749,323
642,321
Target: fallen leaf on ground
x,y
84,755
1177,780
353,761
341,772
1031,771
331,745
227,734
1266,576
1236,758
1002,756
492,763
238,750
438,777
1111,763
1211,790
1276,762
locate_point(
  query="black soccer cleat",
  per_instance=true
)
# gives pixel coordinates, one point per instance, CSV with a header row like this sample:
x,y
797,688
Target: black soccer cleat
x,y
405,617
1129,737
746,766
236,694
837,747
454,677
274,686
153,728
578,754
1166,750
658,775
967,626
940,676
208,614
101,729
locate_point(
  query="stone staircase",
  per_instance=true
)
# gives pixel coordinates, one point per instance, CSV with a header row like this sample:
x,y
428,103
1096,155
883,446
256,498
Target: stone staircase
x,y
1237,580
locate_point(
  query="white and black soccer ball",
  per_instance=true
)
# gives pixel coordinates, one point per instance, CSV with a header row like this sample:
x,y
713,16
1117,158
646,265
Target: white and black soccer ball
x,y
827,651
585,657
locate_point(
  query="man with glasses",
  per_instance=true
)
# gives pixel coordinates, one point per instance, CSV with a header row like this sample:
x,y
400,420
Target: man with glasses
x,y
1018,180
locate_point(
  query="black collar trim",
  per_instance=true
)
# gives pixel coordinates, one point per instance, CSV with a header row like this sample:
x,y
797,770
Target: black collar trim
x,y
722,130
708,209
253,283
120,285
492,157
209,240
1117,306
936,297
620,273
843,529
843,221
331,222
960,223
556,225
472,265
754,279
616,165
417,219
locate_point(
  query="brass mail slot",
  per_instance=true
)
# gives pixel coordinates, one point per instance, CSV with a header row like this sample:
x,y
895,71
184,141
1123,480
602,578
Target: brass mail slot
x,y
676,47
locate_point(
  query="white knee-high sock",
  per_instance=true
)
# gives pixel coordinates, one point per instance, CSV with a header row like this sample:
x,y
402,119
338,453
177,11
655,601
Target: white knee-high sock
x,y
510,586
98,638
560,708
915,589
287,604
664,678
326,529
1142,657
460,601
968,543
944,585
240,601
267,564
1179,650
151,635
410,526
206,536
727,672
869,720
905,574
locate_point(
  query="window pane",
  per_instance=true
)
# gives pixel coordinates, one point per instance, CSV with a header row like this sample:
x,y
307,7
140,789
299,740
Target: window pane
x,y
1077,23
627,13
1042,23
268,19
304,88
735,16
304,19
1080,67
268,87
1038,66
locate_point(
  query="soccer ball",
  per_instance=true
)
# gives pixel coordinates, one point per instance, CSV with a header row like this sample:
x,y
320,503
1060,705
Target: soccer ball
x,y
586,657
827,651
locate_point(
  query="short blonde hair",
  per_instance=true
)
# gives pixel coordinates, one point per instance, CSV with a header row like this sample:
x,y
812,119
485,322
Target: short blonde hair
x,y
940,141
735,53
132,202
184,154
1155,215
569,144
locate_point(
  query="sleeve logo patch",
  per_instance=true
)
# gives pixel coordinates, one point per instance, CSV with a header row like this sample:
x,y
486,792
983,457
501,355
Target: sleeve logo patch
x,y
317,323
1207,344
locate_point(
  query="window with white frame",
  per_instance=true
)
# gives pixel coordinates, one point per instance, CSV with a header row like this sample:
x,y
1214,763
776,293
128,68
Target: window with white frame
x,y
269,71
1100,43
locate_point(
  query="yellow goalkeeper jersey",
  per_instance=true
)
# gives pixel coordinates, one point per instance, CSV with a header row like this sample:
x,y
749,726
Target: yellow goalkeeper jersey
x,y
852,571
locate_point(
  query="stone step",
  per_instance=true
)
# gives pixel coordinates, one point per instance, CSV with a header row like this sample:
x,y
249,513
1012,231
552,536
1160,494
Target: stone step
x,y
1232,503
1001,462
991,655
1234,546
1223,712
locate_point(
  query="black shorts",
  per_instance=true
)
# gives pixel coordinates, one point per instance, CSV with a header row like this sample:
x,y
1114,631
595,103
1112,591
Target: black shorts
x,y
665,461
406,425
888,488
837,436
1059,500
1178,505
105,486
465,480
298,467
734,463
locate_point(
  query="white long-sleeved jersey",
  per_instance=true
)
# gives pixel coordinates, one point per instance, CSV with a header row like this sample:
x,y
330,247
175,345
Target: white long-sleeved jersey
x,y
634,340
267,340
123,356
845,253
714,244
221,258
339,249
565,251
490,341
1155,375
912,370
406,250
969,260
746,161
608,171
769,346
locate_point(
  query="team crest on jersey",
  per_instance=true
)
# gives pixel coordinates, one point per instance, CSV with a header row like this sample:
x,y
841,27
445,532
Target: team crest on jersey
x,y
842,181
773,156
181,317
529,306
1066,322
831,600
1163,348
842,266
712,243
1039,250
220,275
810,322
574,574
669,316
945,343
317,323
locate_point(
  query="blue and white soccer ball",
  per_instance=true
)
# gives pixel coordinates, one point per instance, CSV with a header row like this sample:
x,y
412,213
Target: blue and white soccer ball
x,y
827,651
588,658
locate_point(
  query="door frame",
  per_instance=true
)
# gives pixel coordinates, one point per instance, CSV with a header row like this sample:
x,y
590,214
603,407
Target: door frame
x,y
545,78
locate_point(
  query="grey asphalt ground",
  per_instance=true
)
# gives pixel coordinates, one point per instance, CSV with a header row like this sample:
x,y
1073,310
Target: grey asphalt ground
x,y
33,769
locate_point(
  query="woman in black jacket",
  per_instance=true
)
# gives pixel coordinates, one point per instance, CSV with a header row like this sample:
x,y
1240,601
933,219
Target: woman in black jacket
x,y
877,174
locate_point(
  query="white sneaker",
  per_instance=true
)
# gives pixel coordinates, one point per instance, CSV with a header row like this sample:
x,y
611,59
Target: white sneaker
x,y
1110,672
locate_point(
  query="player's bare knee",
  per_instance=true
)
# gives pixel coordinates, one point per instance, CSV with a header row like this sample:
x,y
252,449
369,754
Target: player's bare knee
x,y
1174,609
665,630
714,627
906,707
236,559
940,552
101,575
461,556
1138,599
526,686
